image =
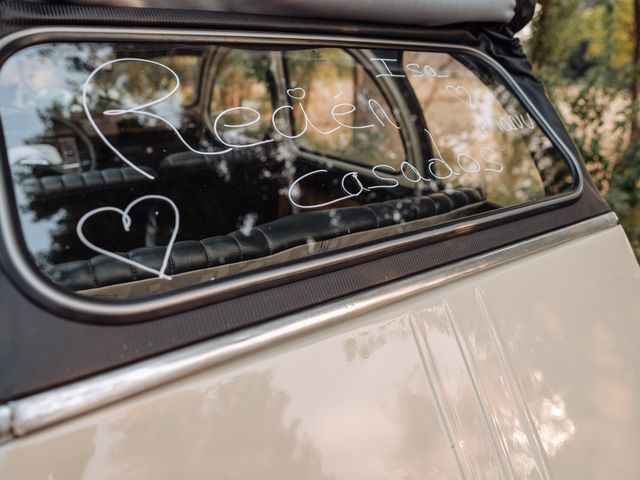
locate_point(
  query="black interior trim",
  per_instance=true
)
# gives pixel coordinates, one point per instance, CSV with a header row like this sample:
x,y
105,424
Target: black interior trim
x,y
263,240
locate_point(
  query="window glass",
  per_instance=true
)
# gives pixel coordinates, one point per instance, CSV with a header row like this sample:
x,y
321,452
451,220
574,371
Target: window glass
x,y
335,90
142,168
241,79
480,130
187,67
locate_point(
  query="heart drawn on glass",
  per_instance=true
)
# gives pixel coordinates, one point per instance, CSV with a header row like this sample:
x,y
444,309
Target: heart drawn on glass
x,y
296,93
461,93
126,224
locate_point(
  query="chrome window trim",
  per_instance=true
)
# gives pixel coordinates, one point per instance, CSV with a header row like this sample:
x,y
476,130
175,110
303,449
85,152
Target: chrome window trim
x,y
52,297
44,409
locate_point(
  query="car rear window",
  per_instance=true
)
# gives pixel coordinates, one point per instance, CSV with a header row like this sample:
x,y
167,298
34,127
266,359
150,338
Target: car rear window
x,y
140,168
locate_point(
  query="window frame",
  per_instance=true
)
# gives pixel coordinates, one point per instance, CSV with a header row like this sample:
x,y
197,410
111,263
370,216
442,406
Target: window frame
x,y
16,261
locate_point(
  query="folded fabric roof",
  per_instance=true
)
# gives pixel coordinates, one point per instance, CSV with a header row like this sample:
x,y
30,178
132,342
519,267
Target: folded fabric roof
x,y
410,12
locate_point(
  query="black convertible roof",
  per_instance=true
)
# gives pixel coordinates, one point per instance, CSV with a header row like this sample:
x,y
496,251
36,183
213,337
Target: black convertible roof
x,y
516,13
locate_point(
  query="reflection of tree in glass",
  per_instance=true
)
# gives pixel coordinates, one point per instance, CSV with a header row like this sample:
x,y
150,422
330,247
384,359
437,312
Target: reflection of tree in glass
x,y
331,77
242,80
551,167
464,112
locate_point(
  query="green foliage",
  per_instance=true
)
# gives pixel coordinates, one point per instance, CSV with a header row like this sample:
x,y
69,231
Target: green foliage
x,y
583,51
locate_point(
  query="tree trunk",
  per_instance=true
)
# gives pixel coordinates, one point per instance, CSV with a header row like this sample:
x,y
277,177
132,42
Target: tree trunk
x,y
541,32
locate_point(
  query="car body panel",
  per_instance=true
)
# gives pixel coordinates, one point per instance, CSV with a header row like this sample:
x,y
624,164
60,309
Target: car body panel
x,y
525,370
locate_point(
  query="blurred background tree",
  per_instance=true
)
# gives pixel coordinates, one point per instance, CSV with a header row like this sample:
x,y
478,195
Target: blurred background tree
x,y
587,53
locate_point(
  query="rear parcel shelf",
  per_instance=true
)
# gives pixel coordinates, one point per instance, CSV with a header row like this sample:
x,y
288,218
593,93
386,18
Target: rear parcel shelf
x,y
261,241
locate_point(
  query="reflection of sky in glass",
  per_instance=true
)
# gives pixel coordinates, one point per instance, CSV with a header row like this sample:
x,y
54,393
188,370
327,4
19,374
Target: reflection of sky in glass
x,y
39,231
32,83
41,83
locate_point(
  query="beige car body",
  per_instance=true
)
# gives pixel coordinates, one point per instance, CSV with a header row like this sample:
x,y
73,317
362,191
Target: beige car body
x,y
521,363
